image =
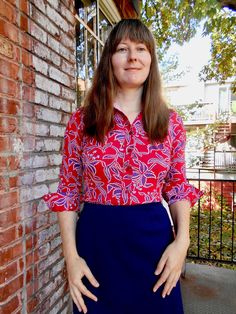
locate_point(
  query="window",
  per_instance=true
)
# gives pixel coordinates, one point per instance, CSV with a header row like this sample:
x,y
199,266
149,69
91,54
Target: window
x,y
223,100
233,102
94,21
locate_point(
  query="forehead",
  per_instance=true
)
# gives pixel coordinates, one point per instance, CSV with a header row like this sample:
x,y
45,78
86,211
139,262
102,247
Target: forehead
x,y
127,40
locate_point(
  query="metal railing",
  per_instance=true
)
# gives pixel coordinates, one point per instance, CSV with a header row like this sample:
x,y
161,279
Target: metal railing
x,y
213,219
214,159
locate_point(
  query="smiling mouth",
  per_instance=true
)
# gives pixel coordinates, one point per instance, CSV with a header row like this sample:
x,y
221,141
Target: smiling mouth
x,y
132,69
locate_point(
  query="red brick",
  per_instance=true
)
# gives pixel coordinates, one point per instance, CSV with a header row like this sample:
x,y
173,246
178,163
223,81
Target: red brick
x,y
24,6
3,163
6,48
29,225
4,144
9,217
29,243
11,305
13,182
28,76
29,275
31,305
20,231
17,54
30,289
3,184
27,59
13,162
8,11
28,110
8,272
29,259
9,253
8,87
9,69
12,2
28,93
9,31
10,288
24,23
9,106
26,41
8,235
8,125
8,200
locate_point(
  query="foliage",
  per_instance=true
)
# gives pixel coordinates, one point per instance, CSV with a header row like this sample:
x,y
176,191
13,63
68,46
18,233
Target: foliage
x,y
187,111
207,133
176,21
222,65
200,139
168,67
211,228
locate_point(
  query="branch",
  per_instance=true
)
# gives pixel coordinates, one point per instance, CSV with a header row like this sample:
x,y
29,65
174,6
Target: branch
x,y
230,4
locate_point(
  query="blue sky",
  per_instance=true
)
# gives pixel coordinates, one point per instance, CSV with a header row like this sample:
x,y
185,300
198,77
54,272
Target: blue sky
x,y
192,55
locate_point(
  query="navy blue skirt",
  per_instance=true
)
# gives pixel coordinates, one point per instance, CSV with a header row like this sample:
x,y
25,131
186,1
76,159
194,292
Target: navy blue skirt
x,y
122,246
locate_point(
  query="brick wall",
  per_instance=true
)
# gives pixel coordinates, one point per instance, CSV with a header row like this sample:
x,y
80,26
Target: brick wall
x,y
37,95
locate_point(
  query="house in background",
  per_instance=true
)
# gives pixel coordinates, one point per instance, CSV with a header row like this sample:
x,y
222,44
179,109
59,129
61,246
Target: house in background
x,y
215,105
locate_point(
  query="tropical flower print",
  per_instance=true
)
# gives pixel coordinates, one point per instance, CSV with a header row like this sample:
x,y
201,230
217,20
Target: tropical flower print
x,y
126,169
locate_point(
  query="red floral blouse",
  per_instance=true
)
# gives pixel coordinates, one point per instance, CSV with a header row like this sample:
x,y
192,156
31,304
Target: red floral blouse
x,y
127,169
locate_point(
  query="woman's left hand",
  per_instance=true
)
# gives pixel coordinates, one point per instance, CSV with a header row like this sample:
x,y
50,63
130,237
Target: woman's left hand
x,y
170,266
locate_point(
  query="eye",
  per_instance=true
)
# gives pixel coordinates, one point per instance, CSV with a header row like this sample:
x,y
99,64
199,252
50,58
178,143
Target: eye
x,y
141,48
121,49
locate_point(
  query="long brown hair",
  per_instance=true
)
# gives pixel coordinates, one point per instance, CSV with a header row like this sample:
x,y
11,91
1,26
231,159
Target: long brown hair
x,y
98,110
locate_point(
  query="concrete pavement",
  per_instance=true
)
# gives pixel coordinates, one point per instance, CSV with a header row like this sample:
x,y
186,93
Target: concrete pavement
x,y
209,290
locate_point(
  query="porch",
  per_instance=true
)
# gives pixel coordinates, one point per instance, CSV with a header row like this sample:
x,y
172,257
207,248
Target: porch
x,y
208,290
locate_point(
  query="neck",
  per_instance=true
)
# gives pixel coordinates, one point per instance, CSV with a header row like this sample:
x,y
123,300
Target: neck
x,y
129,100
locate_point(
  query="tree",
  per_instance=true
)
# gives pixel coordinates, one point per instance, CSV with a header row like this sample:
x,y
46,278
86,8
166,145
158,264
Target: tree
x,y
176,21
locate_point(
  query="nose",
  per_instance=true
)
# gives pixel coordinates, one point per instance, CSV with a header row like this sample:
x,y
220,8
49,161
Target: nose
x,y
132,55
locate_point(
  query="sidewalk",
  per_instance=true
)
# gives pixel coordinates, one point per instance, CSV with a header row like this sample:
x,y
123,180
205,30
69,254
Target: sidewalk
x,y
209,290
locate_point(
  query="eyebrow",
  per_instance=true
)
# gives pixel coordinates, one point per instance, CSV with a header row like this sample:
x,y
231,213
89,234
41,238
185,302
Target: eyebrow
x,y
125,42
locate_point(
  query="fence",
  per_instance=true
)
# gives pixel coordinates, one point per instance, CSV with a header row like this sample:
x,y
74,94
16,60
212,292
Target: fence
x,y
212,228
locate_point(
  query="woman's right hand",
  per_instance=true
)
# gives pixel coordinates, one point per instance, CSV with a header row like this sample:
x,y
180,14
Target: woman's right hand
x,y
77,268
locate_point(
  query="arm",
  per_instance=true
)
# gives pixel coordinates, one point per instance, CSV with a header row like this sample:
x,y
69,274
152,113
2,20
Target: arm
x,y
180,196
180,212
171,263
76,266
66,201
67,222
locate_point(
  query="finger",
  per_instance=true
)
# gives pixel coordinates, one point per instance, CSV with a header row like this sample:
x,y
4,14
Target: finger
x,y
81,303
78,298
75,300
162,279
90,276
86,292
170,282
160,265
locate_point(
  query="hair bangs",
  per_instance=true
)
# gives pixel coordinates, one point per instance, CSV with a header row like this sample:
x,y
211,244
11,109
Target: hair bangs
x,y
133,30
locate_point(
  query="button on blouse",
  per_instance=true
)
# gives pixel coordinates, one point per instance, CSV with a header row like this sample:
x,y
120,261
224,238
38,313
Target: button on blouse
x,y
126,169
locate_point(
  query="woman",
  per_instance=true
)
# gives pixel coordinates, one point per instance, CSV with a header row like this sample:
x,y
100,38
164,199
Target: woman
x,y
128,149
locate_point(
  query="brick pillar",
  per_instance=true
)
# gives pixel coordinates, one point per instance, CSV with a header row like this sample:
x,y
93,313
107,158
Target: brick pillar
x,y
37,96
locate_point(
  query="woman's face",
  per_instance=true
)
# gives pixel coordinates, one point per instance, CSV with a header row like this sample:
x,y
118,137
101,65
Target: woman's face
x,y
131,64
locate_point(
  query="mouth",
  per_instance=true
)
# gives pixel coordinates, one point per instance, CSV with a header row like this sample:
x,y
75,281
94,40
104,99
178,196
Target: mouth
x,y
132,69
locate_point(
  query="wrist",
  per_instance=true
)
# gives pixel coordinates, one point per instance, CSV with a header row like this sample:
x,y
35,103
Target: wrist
x,y
183,242
70,255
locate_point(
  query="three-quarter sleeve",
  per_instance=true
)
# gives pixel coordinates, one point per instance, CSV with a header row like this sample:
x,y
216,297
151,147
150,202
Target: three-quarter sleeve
x,y
176,186
68,195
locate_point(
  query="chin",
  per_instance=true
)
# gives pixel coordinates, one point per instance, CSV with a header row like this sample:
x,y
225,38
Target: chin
x,y
133,84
